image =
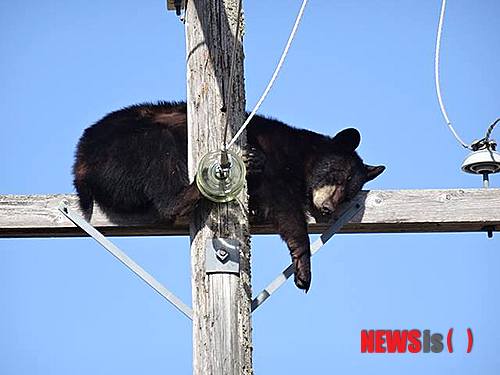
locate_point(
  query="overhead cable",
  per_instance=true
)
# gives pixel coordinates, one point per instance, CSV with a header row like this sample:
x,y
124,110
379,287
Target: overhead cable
x,y
275,74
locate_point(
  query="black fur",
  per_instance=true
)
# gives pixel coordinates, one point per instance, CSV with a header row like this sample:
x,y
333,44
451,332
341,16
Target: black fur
x,y
135,161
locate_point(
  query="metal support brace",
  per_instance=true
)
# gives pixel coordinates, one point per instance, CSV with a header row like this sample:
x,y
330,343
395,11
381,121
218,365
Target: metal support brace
x,y
347,215
128,262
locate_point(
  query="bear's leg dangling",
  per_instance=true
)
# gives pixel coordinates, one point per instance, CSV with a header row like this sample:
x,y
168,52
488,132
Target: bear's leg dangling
x,y
292,227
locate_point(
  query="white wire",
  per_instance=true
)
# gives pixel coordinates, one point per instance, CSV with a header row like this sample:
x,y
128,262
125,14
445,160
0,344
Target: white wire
x,y
436,76
275,74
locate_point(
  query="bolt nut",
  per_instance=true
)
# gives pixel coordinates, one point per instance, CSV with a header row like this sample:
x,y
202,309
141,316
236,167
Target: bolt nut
x,y
222,255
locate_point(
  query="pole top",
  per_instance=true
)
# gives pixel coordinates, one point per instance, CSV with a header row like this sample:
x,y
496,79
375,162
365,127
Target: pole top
x,y
176,5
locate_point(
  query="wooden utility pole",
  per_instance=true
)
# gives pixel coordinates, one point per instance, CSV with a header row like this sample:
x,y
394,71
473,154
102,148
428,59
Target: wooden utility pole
x,y
221,302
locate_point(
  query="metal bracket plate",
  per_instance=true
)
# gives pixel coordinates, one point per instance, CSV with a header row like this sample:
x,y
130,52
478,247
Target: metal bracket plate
x,y
222,255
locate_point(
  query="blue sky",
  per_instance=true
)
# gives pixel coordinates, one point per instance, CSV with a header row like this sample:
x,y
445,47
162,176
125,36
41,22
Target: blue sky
x,y
69,308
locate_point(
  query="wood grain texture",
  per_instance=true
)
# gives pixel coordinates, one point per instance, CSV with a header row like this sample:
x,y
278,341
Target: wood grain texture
x,y
386,211
222,335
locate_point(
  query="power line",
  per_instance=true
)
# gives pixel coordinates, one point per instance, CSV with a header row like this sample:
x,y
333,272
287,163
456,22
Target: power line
x,y
436,76
275,74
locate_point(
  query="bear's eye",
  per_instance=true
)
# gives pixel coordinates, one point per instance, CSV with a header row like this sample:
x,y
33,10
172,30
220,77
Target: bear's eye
x,y
349,178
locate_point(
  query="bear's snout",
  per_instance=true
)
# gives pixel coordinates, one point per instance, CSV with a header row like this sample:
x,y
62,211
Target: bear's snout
x,y
326,198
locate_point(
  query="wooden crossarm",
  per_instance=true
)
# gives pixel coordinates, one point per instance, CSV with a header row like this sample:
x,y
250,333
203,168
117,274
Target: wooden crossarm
x,y
386,211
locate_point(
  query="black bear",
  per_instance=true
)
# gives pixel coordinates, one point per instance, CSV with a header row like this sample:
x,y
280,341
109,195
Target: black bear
x,y
135,160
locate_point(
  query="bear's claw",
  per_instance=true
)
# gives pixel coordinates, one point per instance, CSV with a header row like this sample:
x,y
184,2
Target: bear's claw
x,y
302,276
303,284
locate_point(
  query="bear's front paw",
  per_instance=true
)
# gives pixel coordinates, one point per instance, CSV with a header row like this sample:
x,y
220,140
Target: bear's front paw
x,y
303,272
254,159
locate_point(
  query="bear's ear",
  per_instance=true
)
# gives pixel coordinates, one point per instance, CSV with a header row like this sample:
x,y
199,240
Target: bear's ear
x,y
373,171
347,139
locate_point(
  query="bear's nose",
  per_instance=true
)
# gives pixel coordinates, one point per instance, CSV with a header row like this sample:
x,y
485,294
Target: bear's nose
x,y
326,209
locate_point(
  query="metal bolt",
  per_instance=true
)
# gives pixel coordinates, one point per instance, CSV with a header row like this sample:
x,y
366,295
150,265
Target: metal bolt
x,y
222,255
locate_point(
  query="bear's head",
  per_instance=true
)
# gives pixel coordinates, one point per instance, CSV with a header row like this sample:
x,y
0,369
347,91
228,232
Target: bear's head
x,y
339,173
